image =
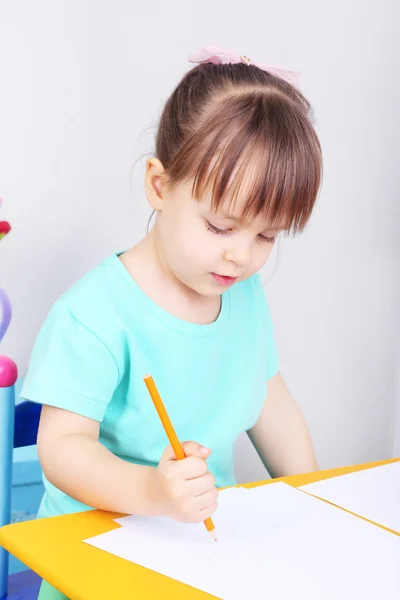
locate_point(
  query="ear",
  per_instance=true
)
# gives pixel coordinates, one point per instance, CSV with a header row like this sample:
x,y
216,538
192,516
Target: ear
x,y
155,183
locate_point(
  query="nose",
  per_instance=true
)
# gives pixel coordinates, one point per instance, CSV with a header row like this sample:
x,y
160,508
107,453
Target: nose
x,y
240,254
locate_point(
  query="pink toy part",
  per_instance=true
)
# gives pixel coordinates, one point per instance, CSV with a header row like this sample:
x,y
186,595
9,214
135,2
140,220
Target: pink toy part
x,y
8,372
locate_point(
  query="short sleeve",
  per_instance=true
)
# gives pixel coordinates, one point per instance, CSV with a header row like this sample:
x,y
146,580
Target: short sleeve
x,y
70,367
272,359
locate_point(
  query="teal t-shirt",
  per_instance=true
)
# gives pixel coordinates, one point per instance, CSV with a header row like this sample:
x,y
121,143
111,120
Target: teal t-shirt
x,y
105,334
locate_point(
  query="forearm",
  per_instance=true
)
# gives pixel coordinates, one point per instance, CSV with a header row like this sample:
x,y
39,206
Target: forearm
x,y
87,471
285,453
281,436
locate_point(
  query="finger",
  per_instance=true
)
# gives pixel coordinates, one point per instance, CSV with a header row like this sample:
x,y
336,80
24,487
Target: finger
x,y
191,467
205,500
195,449
208,511
200,485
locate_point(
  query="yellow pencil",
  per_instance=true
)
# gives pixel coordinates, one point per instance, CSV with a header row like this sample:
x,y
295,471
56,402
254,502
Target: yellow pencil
x,y
173,438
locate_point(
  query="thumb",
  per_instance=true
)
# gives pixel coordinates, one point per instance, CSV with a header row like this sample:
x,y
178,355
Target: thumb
x,y
195,449
189,448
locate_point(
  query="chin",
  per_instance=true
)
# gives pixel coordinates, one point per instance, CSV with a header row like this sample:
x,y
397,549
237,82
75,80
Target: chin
x,y
207,290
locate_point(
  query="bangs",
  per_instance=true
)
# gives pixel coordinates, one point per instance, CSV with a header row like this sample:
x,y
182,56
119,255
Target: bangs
x,y
261,153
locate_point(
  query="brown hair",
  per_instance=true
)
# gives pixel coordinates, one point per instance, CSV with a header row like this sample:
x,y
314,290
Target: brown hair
x,y
222,121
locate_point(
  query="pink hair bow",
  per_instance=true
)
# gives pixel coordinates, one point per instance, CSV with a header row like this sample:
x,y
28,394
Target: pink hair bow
x,y
221,56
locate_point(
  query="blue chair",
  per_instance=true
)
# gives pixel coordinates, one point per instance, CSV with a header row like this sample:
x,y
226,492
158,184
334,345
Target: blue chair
x,y
18,428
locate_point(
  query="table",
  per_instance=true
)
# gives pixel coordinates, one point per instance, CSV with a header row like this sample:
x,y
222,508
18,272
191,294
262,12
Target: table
x,y
53,548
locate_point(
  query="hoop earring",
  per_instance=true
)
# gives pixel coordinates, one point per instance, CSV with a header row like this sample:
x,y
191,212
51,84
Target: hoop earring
x,y
149,221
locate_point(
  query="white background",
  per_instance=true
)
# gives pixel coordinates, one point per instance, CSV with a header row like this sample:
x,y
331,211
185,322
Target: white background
x,y
82,85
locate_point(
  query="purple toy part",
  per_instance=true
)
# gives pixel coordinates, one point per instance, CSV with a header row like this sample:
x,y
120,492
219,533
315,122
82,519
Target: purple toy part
x,y
6,312
8,372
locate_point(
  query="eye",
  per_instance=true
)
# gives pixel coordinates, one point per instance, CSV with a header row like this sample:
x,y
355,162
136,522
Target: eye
x,y
268,240
216,230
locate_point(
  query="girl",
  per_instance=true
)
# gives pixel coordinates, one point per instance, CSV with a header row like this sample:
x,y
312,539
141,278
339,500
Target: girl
x,y
236,163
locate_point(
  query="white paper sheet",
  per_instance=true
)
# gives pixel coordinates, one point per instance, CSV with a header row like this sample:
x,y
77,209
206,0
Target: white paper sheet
x,y
275,542
373,493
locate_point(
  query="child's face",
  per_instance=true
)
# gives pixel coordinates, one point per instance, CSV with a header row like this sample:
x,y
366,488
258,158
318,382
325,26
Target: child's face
x,y
207,251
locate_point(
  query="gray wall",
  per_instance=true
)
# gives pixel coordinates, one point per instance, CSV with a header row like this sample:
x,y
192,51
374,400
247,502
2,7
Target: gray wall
x,y
82,85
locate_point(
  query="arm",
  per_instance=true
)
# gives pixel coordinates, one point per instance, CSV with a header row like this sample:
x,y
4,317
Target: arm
x,y
73,374
76,462
281,436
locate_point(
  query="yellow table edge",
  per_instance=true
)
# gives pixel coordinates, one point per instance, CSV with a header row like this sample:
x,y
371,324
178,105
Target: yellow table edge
x,y
82,572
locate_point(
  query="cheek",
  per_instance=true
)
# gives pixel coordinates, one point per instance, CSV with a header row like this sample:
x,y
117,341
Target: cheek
x,y
199,246
190,242
262,254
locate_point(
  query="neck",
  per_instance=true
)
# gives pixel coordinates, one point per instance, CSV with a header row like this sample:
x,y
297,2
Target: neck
x,y
147,265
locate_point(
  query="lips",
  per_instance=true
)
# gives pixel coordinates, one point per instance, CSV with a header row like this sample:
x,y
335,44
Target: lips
x,y
224,280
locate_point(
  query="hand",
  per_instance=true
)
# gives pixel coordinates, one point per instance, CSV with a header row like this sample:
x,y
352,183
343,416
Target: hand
x,y
185,489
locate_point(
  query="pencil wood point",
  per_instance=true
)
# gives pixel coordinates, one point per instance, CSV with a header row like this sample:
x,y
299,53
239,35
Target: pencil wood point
x,y
214,535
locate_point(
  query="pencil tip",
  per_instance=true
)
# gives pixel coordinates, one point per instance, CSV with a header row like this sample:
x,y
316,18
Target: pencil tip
x,y
214,535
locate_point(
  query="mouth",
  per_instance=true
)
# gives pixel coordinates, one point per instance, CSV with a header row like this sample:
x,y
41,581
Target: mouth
x,y
224,280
